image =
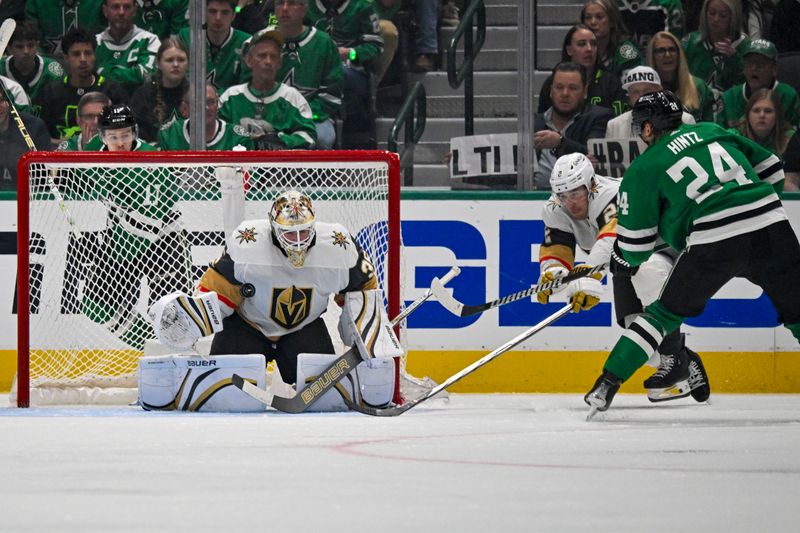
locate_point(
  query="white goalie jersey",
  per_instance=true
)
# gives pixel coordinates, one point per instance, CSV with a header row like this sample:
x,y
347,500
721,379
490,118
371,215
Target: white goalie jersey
x,y
255,279
594,235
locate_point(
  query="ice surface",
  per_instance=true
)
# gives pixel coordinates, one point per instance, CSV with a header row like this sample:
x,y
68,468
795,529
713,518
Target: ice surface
x,y
480,463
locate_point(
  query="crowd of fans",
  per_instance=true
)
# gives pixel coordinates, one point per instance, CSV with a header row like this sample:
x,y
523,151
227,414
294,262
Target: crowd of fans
x,y
724,70
281,74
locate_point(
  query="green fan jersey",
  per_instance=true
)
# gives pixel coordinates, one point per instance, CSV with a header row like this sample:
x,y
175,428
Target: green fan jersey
x,y
224,64
354,24
226,137
310,63
128,61
734,102
162,17
54,18
719,72
645,18
697,185
73,144
283,109
46,70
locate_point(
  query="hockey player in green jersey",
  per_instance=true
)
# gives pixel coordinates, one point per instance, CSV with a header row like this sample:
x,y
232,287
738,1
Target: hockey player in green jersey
x,y
144,237
125,52
310,63
220,135
274,114
712,194
224,45
54,18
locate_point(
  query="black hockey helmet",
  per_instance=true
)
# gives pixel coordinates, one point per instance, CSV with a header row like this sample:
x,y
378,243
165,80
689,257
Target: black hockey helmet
x,y
115,117
662,109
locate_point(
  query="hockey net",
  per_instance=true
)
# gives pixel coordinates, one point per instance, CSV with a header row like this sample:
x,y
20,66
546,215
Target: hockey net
x,y
104,235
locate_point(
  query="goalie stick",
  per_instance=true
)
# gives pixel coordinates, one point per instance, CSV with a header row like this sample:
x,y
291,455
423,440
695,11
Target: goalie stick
x,y
460,309
400,409
6,30
329,377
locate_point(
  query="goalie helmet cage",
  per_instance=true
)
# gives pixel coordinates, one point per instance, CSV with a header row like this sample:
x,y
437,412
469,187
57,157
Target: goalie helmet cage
x,y
101,235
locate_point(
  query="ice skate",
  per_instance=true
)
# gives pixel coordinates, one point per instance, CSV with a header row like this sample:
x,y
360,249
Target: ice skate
x,y
671,380
602,394
698,379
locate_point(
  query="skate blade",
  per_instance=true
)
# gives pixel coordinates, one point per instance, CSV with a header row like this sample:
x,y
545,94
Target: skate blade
x,y
675,392
592,411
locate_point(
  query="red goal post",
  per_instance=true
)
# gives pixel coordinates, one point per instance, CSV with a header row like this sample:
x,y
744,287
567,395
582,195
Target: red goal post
x,y
78,333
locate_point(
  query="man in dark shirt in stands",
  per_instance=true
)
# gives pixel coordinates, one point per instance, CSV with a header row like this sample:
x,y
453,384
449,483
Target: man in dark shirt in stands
x,y
13,145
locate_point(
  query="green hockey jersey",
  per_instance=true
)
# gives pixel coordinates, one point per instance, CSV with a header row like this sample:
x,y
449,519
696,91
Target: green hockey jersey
x,y
310,63
54,18
354,24
226,137
697,185
283,110
128,61
224,64
46,70
734,102
162,17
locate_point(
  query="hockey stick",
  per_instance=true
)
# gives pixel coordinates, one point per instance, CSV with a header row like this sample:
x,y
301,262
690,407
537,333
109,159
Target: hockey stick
x,y
460,309
6,30
329,377
400,409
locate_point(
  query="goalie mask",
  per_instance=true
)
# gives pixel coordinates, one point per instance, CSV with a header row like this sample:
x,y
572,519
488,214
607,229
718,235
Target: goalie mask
x,y
292,219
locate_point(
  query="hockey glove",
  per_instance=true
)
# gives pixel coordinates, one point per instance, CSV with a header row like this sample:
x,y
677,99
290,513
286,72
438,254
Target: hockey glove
x,y
618,265
585,293
550,274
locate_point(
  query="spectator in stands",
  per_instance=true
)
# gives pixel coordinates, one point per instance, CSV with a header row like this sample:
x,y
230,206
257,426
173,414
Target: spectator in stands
x,y
426,44
645,18
637,82
25,66
54,18
386,10
220,135
58,100
253,16
155,104
614,52
757,17
90,106
354,27
118,132
310,63
569,123
665,55
12,9
125,52
274,114
714,52
18,94
761,72
224,45
605,90
783,31
162,18
13,145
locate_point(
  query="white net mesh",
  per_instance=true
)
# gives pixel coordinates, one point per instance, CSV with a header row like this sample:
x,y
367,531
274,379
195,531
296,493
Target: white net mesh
x,y
142,229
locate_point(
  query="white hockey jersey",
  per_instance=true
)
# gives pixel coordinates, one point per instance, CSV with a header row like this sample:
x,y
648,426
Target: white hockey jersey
x,y
595,234
255,279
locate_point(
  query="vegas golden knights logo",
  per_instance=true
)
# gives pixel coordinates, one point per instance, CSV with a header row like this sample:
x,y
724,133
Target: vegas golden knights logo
x,y
290,306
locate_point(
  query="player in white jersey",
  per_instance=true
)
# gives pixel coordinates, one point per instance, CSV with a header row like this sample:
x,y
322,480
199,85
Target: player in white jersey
x,y
274,281
582,213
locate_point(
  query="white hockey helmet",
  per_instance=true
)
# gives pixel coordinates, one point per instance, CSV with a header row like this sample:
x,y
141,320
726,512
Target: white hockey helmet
x,y
292,219
570,172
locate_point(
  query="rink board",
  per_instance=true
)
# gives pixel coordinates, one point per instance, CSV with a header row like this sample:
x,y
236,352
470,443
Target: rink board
x,y
494,238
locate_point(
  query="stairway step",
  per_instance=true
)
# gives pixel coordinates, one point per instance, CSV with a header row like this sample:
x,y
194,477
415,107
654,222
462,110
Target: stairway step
x,y
483,106
555,13
443,129
501,15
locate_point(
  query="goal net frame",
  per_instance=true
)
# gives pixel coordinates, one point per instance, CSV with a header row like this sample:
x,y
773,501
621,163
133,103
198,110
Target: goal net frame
x,y
244,159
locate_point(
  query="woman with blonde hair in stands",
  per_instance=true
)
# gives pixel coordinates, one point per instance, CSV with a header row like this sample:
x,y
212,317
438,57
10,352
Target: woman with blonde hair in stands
x,y
614,51
665,55
765,124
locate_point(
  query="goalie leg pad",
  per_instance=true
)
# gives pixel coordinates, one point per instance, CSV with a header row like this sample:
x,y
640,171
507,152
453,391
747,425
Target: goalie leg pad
x,y
191,383
364,324
180,320
372,382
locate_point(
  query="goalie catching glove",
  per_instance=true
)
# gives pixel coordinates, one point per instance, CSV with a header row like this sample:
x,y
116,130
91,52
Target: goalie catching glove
x,y
180,320
550,274
585,293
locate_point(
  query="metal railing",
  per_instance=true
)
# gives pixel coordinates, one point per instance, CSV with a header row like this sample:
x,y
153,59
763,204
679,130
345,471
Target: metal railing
x,y
474,14
411,117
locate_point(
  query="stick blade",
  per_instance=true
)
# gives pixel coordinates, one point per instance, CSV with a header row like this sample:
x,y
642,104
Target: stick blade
x,y
444,297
